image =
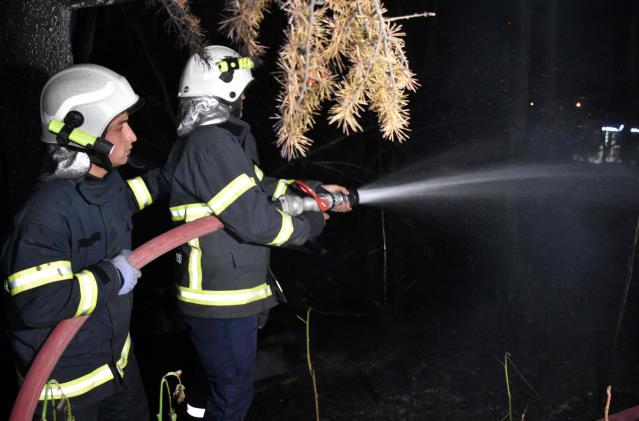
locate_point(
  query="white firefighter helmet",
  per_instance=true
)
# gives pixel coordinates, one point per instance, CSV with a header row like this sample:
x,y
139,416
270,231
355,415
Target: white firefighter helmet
x,y
226,77
96,92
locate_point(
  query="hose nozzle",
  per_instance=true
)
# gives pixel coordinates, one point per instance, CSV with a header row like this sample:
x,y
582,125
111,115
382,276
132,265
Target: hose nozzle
x,y
295,205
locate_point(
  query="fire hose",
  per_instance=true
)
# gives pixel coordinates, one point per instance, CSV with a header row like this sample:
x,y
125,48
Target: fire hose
x,y
50,352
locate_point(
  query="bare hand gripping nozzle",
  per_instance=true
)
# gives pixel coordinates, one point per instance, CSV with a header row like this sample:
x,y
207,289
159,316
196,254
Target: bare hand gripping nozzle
x,y
315,202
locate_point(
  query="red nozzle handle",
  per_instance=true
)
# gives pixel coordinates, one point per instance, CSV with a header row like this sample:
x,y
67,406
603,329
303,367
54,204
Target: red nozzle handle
x,y
323,204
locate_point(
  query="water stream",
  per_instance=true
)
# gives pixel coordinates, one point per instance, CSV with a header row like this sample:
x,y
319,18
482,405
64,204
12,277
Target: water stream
x,y
525,181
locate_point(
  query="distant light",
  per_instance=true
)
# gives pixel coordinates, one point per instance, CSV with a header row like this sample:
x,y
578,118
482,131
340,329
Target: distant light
x,y
634,130
509,23
612,128
578,104
531,103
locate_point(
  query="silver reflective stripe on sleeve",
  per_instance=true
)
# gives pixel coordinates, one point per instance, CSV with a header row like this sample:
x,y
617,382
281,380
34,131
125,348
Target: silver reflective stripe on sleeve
x,y
285,231
140,191
258,172
36,276
190,212
281,187
88,293
230,193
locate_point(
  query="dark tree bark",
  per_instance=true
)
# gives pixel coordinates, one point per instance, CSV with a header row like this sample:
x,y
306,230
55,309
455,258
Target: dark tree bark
x,y
35,41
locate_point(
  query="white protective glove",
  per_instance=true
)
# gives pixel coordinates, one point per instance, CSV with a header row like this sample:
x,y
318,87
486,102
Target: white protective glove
x,y
128,274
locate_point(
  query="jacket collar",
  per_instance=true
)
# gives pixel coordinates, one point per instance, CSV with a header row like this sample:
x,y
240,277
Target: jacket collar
x,y
98,190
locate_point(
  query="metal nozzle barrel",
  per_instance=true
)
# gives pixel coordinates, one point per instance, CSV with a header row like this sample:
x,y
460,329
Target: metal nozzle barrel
x,y
353,197
295,205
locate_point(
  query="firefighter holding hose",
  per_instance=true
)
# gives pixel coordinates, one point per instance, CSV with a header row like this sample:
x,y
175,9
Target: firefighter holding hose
x,y
224,281
67,253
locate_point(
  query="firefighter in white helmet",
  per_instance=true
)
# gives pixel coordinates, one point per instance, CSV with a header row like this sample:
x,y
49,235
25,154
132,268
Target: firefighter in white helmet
x,y
67,253
224,279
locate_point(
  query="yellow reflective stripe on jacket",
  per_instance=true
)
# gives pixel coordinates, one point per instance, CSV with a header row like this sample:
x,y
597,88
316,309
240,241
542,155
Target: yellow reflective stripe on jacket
x,y
281,187
80,385
231,193
124,355
258,173
195,264
190,212
285,231
224,298
36,276
88,293
90,381
140,191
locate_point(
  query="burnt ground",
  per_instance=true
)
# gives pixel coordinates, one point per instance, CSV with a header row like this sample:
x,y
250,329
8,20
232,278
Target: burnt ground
x,y
413,369
416,367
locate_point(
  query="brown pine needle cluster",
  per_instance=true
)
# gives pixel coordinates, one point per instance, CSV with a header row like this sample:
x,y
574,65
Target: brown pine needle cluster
x,y
242,24
304,75
341,50
186,26
378,75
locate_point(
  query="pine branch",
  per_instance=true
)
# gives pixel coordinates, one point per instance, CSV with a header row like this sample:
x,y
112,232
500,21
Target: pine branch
x,y
185,25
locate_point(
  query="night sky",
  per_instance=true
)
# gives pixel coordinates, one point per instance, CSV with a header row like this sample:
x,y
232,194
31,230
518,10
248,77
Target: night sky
x,y
417,302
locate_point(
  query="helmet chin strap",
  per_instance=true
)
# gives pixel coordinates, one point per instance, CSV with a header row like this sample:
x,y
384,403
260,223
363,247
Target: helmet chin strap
x,y
235,107
100,159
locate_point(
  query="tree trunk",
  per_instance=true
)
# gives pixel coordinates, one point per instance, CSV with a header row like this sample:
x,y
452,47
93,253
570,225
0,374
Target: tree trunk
x,y
35,41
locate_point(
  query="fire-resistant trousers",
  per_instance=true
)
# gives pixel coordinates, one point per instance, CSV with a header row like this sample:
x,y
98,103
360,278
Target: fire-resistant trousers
x,y
227,349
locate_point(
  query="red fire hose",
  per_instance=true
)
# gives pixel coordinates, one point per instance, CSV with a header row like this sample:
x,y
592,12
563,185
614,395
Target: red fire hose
x,y
56,343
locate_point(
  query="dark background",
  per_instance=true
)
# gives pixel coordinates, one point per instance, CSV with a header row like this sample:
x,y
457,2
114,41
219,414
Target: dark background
x,y
415,305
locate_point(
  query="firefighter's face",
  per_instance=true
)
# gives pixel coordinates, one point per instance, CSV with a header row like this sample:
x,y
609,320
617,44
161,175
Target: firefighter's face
x,y
121,135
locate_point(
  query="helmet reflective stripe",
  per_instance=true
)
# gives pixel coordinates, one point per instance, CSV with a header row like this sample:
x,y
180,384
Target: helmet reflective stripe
x,y
86,98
